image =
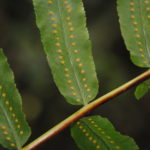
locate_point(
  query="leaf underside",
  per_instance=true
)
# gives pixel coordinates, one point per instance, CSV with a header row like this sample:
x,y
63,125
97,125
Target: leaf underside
x,y
14,130
97,133
62,25
135,26
142,89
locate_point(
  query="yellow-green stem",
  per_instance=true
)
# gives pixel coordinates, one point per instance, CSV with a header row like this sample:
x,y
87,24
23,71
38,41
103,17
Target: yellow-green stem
x,y
84,110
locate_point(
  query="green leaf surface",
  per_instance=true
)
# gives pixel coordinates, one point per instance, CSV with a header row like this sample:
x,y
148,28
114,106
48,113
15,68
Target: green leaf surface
x,y
135,26
62,25
97,133
142,89
14,130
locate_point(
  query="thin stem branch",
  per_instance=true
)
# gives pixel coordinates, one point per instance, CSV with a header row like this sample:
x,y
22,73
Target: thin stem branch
x,y
84,110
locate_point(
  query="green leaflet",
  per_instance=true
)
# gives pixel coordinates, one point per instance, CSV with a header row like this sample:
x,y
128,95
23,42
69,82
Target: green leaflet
x,y
68,49
135,26
142,89
97,133
14,130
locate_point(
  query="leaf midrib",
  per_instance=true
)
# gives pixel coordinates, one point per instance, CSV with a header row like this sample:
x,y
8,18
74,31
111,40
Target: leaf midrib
x,y
67,49
98,136
143,29
11,127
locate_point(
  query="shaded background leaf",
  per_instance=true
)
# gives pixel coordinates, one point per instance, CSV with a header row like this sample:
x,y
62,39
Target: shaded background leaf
x,y
14,130
134,18
68,49
142,89
95,132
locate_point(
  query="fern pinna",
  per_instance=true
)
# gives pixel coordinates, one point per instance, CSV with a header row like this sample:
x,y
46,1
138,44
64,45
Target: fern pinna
x,y
68,49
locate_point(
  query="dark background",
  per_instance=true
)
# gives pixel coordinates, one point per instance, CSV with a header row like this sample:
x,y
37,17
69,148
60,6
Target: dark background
x,y
42,102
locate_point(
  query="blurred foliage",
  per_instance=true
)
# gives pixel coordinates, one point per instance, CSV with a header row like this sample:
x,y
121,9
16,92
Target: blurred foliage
x,y
43,103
